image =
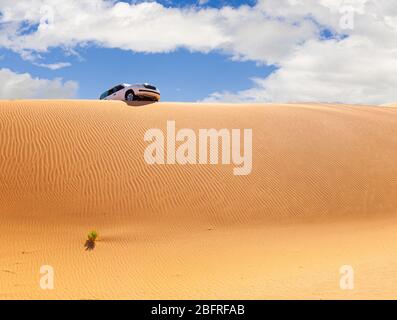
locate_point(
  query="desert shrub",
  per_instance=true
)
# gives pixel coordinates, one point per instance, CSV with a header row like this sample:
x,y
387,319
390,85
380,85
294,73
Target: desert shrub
x,y
92,236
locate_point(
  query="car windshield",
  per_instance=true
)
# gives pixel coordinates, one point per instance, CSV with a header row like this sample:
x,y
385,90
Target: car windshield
x,y
149,86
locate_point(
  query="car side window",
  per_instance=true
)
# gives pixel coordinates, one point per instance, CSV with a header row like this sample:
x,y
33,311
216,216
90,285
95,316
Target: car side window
x,y
111,91
104,95
118,88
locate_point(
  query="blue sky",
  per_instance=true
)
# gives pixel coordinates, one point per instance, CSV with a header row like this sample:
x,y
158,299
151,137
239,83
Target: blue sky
x,y
180,75
198,50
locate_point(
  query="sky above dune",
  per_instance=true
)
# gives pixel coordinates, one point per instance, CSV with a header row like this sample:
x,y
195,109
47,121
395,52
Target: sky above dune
x,y
204,50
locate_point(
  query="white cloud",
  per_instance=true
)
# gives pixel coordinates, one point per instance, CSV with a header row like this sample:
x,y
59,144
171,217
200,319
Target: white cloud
x,y
245,32
359,68
54,66
202,2
352,71
24,86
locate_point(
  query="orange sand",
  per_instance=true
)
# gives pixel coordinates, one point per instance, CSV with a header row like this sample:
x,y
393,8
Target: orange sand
x,y
322,194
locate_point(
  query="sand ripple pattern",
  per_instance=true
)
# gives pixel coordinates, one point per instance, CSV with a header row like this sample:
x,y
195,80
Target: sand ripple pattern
x,y
84,158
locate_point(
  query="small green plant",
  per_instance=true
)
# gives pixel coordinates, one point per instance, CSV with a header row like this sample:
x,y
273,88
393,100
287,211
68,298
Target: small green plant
x,y
92,236
90,242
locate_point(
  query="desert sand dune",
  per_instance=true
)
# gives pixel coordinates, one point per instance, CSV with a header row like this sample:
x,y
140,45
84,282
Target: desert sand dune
x,y
322,193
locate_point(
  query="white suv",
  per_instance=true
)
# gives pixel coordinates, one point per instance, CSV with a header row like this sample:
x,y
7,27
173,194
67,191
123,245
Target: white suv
x,y
132,92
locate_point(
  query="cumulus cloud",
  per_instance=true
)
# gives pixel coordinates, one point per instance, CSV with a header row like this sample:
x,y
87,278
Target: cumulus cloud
x,y
359,67
24,86
353,70
353,64
245,32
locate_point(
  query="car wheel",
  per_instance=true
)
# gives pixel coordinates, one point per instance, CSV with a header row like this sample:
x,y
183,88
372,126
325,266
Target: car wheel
x,y
130,96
